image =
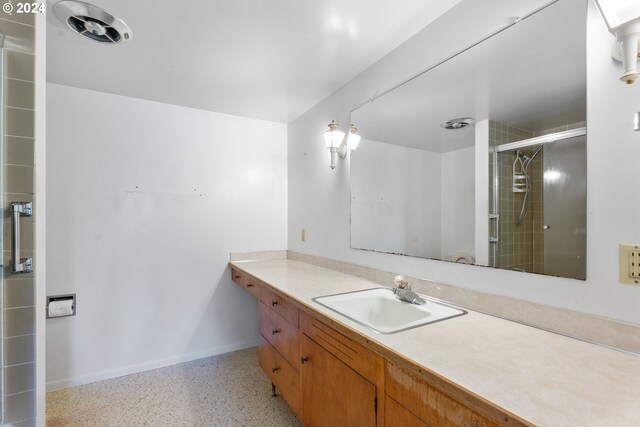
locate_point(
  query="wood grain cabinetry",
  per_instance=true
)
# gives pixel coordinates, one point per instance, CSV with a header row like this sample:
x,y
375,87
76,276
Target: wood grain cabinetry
x,y
281,372
279,350
398,415
431,405
281,334
238,276
246,281
341,379
332,376
280,305
333,394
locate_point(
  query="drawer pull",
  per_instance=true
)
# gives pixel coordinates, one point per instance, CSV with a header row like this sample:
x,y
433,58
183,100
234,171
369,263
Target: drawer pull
x,y
274,303
249,285
274,370
236,277
304,359
275,331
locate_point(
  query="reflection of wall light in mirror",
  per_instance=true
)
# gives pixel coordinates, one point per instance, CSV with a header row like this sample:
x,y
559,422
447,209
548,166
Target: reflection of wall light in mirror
x,y
334,139
552,176
354,138
623,21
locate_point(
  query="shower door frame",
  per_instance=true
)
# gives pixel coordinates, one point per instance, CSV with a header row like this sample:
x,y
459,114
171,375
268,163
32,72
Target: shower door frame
x,y
494,214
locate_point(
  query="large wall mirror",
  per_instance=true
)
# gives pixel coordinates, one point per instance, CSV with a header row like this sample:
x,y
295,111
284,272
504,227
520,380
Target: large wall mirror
x,y
413,181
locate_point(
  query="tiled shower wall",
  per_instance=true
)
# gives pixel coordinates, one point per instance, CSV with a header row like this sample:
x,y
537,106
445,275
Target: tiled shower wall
x,y
18,298
516,246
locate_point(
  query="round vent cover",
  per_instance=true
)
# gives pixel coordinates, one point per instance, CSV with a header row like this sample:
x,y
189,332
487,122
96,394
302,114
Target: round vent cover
x,y
92,22
460,123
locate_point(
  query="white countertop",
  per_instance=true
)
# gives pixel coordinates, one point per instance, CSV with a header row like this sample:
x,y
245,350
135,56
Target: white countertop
x,y
545,378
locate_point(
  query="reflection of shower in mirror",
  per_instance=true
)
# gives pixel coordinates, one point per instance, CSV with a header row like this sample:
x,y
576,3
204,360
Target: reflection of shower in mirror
x,y
522,180
539,200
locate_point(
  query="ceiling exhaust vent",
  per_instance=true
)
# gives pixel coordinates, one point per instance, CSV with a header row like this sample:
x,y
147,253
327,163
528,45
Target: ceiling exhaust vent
x,y
460,123
92,22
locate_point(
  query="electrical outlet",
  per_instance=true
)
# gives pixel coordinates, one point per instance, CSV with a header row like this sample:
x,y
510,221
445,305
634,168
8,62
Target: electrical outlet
x,y
630,263
303,234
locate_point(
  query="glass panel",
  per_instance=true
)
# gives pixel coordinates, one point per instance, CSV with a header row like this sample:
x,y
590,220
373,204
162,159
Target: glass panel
x,y
565,207
413,182
538,192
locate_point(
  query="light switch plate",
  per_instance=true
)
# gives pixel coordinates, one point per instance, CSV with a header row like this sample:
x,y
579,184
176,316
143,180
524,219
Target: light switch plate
x,y
630,263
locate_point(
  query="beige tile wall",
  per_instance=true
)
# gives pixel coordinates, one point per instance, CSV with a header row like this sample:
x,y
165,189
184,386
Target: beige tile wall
x,y
515,248
18,296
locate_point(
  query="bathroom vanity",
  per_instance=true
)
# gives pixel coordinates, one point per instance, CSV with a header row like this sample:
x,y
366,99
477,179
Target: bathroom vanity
x,y
471,370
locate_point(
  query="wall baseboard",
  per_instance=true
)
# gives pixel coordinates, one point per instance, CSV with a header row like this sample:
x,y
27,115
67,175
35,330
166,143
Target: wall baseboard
x,y
147,366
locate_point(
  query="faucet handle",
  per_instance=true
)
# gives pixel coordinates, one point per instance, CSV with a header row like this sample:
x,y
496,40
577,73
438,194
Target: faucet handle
x,y
401,282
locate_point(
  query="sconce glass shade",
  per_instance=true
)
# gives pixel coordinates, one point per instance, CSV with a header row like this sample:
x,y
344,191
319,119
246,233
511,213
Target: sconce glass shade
x,y
354,138
623,21
618,12
333,137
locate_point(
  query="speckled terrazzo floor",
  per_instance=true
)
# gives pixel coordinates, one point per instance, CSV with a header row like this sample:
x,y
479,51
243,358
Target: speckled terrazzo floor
x,y
225,390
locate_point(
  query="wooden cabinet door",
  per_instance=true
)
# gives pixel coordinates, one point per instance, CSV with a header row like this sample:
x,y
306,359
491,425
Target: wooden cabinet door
x,y
332,393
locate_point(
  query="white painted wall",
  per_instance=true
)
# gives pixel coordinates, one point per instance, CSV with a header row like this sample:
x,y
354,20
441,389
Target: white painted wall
x,y
395,191
458,202
145,201
319,197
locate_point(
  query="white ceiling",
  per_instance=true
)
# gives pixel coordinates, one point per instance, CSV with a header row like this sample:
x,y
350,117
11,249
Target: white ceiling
x,y
269,60
532,75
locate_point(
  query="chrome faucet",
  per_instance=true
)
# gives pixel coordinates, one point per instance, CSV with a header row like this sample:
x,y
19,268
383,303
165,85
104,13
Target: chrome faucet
x,y
403,291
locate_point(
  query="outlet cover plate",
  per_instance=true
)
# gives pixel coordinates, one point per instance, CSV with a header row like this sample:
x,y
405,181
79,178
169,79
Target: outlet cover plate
x,y
630,263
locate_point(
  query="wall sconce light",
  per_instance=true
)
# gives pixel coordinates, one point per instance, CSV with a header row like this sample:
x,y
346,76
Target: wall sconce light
x,y
623,21
334,139
336,142
354,138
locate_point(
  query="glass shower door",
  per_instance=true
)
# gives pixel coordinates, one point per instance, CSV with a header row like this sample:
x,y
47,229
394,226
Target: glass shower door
x,y
565,207
537,204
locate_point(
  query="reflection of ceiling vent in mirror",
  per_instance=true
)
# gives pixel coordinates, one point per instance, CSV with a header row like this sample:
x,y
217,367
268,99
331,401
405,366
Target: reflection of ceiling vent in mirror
x,y
92,22
458,123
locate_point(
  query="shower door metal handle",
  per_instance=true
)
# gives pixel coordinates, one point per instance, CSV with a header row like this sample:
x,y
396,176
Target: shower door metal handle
x,y
496,238
18,265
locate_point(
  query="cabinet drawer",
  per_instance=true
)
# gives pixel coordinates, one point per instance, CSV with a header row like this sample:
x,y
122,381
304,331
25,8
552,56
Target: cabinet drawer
x,y
280,305
364,361
252,285
430,404
238,276
281,373
281,334
246,282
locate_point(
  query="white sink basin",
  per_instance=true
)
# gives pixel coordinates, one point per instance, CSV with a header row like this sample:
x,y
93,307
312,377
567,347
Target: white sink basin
x,y
380,310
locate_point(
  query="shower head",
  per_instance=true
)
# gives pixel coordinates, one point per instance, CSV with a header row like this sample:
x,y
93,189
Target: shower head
x,y
92,22
527,159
